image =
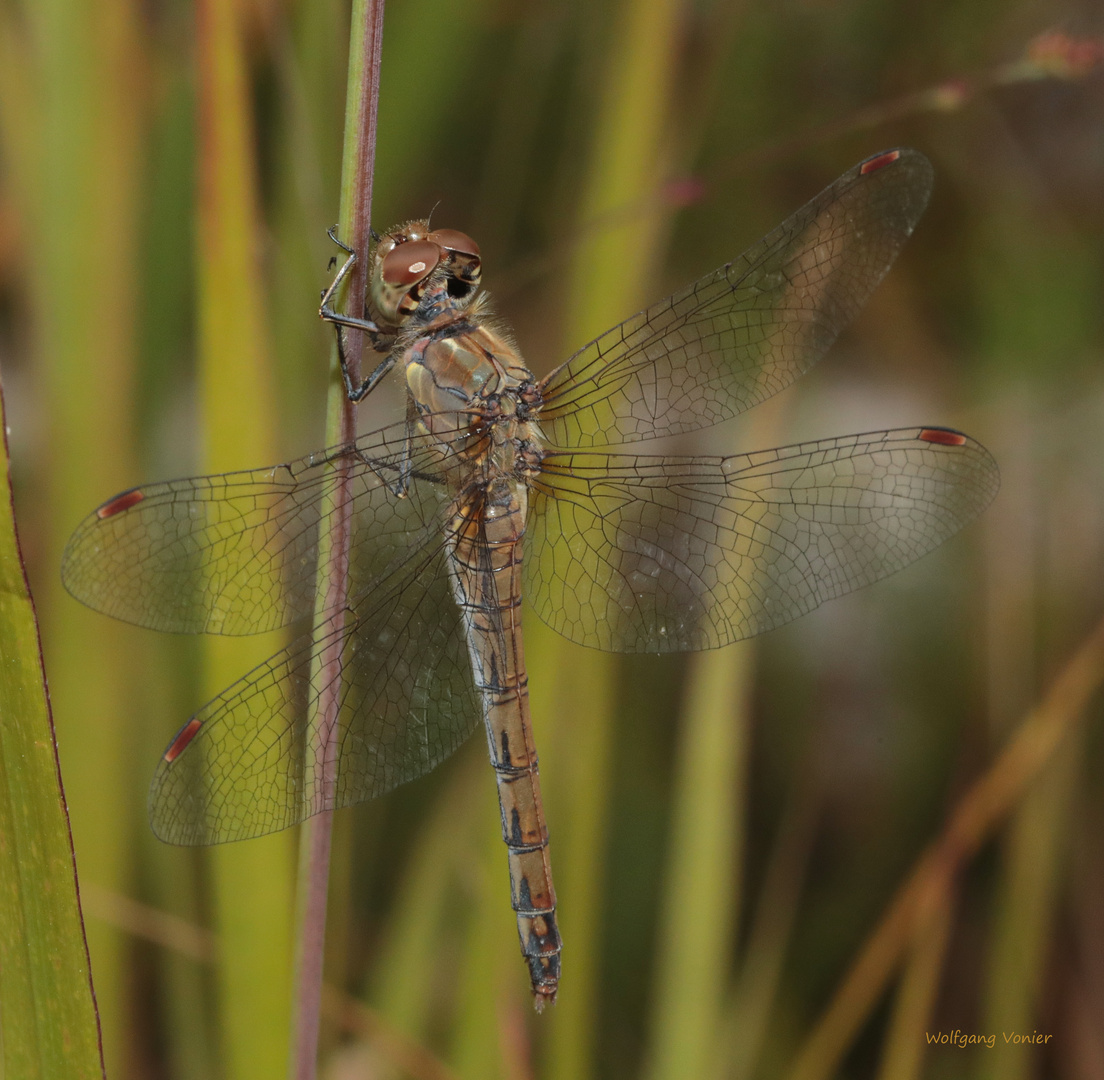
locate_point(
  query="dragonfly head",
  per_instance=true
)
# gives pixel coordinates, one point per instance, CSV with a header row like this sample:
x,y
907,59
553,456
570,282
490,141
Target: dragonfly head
x,y
408,257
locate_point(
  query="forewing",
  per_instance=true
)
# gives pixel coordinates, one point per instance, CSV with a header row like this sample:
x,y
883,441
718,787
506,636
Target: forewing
x,y
747,330
236,553
646,554
242,765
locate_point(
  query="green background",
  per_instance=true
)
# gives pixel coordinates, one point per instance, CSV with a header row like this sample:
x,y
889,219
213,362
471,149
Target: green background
x,y
728,830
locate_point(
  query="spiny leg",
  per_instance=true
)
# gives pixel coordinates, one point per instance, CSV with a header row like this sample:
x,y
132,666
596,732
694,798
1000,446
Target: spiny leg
x,y
379,340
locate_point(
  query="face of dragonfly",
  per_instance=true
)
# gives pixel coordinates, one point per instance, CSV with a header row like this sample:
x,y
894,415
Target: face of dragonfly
x,y
408,258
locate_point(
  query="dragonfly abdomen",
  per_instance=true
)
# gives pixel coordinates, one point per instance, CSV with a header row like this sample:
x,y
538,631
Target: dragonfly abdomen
x,y
485,562
532,894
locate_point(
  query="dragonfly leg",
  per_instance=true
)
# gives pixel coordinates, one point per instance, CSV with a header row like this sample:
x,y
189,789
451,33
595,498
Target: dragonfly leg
x,y
326,310
380,340
400,486
358,393
407,469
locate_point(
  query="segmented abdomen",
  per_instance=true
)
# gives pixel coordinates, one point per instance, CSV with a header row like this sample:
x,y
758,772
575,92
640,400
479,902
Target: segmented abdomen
x,y
485,566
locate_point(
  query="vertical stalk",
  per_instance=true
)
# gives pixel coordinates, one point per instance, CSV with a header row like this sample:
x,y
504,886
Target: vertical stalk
x,y
239,423
702,886
903,1049
358,162
73,182
630,149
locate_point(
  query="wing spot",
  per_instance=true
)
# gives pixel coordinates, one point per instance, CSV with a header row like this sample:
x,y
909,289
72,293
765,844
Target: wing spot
x,y
879,161
183,737
120,503
943,436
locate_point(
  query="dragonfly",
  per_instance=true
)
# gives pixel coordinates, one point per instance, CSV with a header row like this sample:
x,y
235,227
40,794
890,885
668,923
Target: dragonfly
x,y
500,486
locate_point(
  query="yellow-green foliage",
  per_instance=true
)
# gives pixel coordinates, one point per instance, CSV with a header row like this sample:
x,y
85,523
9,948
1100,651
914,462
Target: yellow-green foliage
x,y
804,856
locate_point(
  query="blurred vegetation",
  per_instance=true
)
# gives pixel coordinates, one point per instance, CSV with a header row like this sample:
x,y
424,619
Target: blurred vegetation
x,y
794,857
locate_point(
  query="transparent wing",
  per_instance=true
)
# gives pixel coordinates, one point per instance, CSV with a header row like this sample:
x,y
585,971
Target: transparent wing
x,y
241,766
235,554
640,554
747,330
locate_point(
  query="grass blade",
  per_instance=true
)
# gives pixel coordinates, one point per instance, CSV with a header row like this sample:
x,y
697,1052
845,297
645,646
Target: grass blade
x,y
579,690
49,1026
626,140
254,924
1029,904
701,894
754,999
74,166
903,1055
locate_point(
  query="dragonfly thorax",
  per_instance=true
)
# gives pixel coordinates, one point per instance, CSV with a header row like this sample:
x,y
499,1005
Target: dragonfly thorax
x,y
468,384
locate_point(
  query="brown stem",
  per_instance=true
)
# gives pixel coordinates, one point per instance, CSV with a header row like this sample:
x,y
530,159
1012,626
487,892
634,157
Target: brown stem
x,y
362,99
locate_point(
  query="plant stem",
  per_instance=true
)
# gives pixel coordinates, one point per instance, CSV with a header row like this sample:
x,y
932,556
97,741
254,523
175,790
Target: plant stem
x,y
365,43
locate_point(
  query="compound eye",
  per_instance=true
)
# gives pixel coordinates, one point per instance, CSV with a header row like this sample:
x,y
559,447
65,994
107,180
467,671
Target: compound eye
x,y
410,263
458,242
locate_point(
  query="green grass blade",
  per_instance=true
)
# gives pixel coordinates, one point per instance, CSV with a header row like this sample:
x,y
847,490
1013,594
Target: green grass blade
x,y
166,684
1028,905
76,189
48,1022
743,1036
406,981
491,974
702,888
578,692
627,161
576,721
905,1045
253,881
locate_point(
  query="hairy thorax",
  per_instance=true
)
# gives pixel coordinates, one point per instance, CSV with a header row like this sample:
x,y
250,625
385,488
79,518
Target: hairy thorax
x,y
470,389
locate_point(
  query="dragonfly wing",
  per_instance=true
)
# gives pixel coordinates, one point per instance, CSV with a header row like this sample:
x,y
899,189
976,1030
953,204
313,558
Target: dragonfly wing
x,y
748,330
236,554
639,554
242,766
